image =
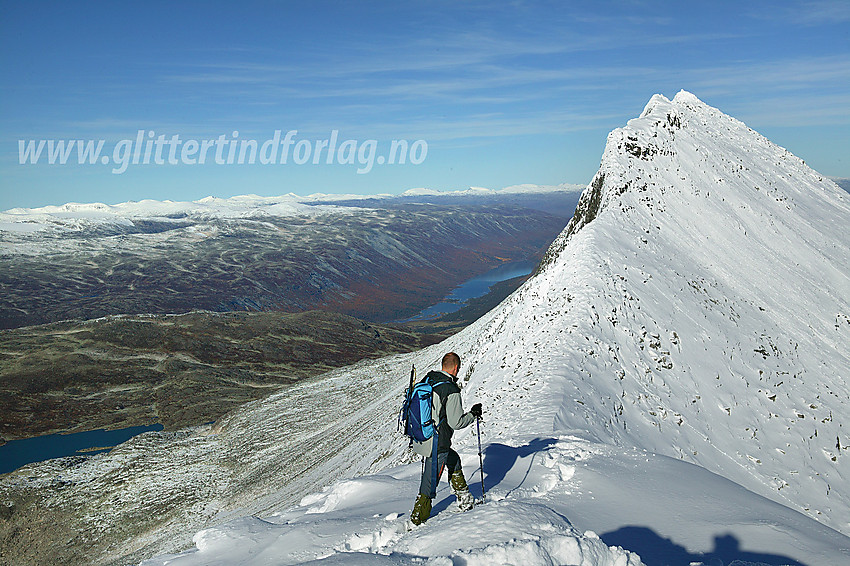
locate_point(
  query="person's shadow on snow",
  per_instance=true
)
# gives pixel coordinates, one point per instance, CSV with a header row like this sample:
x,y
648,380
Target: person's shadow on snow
x,y
499,459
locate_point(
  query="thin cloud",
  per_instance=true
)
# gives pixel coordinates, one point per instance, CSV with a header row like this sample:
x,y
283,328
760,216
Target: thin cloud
x,y
788,111
816,13
807,71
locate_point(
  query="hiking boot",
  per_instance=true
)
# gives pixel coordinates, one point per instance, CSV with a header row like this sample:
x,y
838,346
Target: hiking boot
x,y
465,501
461,491
421,510
458,482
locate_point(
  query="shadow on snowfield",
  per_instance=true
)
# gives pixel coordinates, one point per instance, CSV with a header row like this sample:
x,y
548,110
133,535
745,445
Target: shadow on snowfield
x,y
499,459
658,551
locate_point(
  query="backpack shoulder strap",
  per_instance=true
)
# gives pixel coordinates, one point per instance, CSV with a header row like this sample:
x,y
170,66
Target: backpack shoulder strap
x,y
437,379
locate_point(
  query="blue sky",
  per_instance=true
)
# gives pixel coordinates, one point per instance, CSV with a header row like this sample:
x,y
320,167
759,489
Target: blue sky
x,y
502,93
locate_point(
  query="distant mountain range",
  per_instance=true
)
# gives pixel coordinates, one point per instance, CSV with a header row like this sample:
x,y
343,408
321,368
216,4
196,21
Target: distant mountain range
x,y
378,259
843,183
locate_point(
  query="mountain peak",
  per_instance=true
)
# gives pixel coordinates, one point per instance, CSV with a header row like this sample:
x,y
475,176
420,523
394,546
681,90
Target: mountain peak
x,y
685,97
682,149
696,305
659,101
654,102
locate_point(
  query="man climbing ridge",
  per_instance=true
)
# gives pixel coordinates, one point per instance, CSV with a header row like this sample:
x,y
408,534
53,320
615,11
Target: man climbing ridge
x,y
447,410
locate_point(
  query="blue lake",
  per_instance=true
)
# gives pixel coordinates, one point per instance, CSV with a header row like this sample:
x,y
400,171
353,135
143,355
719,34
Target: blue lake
x,y
17,453
475,287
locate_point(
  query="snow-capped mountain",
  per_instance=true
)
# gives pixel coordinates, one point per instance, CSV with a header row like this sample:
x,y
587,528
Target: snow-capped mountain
x,y
674,369
77,216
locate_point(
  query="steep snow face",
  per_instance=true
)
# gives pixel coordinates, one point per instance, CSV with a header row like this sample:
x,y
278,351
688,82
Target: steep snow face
x,y
696,306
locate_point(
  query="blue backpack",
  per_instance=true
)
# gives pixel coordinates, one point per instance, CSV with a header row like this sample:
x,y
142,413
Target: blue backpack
x,y
416,417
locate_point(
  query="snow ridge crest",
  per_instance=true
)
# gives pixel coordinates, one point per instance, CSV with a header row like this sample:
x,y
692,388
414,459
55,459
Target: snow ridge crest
x,y
669,146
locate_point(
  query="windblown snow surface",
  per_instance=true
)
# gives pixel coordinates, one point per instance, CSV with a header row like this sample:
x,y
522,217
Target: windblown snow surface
x,y
669,388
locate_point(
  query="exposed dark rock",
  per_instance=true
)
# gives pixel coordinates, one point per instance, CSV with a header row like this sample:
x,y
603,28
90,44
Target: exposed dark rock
x,y
588,207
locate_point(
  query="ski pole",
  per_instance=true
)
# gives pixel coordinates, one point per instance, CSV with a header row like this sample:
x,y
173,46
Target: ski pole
x,y
480,458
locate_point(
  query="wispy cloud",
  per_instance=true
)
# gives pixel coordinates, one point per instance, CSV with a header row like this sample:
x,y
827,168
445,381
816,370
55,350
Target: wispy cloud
x,y
791,111
825,12
784,74
813,13
445,65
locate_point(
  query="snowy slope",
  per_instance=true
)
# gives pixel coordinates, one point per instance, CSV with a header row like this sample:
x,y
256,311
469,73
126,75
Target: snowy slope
x,y
542,495
362,521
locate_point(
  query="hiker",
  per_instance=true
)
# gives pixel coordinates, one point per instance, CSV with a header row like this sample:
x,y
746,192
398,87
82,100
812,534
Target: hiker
x,y
448,412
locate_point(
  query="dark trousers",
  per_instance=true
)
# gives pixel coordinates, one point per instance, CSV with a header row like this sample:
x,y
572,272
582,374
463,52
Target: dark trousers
x,y
434,470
